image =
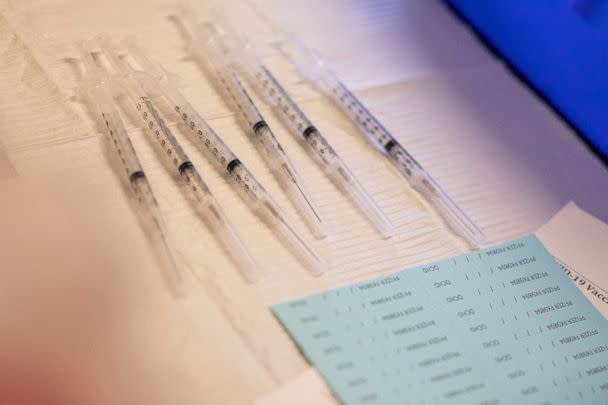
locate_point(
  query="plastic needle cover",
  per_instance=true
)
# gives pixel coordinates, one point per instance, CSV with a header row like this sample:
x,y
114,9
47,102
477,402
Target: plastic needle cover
x,y
208,47
201,196
96,89
218,152
316,71
301,126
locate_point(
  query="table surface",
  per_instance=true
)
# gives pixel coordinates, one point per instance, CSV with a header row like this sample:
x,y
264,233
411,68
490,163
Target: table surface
x,y
502,154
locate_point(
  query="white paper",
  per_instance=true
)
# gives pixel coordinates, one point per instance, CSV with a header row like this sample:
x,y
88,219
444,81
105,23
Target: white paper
x,y
579,242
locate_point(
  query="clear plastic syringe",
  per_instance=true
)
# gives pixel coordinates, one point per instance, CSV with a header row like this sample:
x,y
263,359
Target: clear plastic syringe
x,y
301,126
206,203
218,153
206,46
316,71
95,87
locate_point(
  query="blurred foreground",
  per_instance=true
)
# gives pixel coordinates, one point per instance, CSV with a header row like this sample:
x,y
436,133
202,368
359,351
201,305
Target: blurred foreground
x,y
68,304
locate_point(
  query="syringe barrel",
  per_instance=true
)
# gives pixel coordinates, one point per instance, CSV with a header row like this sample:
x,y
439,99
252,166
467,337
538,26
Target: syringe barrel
x,y
214,147
315,70
258,128
292,115
303,128
220,225
337,170
269,145
148,206
276,95
118,134
204,201
405,163
208,46
218,152
322,150
158,231
239,97
371,128
166,140
288,176
272,151
197,187
210,49
253,192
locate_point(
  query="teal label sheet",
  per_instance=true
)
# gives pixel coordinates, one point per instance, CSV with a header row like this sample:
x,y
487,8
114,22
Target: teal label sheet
x,y
502,325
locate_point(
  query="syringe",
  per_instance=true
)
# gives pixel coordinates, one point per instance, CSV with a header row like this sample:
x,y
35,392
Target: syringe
x,y
95,87
301,126
206,47
217,152
204,201
317,72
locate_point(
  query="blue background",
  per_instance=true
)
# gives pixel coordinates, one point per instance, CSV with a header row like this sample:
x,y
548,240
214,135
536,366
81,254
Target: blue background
x,y
560,47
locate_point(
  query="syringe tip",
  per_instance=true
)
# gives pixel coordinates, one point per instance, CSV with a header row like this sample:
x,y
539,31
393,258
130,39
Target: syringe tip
x,y
319,269
314,263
